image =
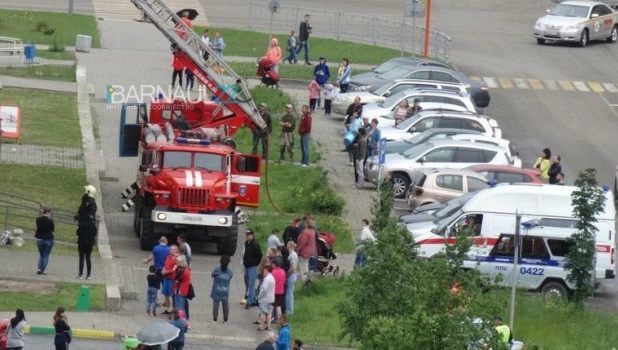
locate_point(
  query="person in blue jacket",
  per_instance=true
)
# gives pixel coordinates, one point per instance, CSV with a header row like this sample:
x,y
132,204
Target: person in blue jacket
x,y
283,340
322,74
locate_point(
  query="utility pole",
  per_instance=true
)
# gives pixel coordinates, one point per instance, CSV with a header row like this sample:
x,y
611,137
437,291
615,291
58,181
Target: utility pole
x,y
515,272
71,7
273,7
427,29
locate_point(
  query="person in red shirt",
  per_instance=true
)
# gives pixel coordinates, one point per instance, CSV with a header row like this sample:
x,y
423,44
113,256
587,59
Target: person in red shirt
x,y
178,69
180,31
280,277
182,280
306,248
168,273
304,130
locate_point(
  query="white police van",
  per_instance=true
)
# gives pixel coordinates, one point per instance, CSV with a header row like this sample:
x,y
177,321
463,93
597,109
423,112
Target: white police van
x,y
540,262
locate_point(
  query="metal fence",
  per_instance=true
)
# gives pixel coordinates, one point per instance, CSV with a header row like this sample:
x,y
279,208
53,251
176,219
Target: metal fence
x,y
351,27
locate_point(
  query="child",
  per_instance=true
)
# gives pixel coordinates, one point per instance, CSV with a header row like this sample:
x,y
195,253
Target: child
x,y
154,283
178,68
314,94
298,345
327,93
292,58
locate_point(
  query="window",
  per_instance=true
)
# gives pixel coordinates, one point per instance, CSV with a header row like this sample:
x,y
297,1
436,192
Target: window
x,y
208,161
443,76
475,184
548,222
147,157
489,155
442,155
469,155
452,182
504,247
558,247
421,75
509,178
425,124
177,160
455,102
452,88
471,124
534,248
399,88
450,123
596,10
604,10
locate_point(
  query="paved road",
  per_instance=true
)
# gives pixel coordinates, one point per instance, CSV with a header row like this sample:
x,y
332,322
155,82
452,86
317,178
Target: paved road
x,y
45,342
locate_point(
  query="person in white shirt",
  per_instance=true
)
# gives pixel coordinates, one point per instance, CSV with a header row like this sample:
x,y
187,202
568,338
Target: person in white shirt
x,y
266,297
206,37
365,237
273,240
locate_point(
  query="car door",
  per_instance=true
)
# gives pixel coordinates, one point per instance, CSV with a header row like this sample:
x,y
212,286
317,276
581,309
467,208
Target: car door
x,y
532,262
498,265
449,187
596,25
607,20
441,157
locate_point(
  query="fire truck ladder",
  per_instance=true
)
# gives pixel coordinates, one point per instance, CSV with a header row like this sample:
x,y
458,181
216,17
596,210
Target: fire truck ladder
x,y
192,51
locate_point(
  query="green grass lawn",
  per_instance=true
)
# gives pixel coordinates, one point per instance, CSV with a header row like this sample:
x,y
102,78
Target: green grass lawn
x,y
47,118
46,72
56,55
286,71
48,296
254,44
57,187
539,325
24,25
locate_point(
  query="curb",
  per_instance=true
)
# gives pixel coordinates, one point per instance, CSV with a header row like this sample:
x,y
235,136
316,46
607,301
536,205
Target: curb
x,y
76,332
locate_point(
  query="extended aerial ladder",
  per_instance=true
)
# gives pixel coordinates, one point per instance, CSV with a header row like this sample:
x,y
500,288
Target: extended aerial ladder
x,y
190,50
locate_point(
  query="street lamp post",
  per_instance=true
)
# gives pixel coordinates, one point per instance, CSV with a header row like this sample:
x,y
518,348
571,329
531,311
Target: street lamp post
x,y
427,28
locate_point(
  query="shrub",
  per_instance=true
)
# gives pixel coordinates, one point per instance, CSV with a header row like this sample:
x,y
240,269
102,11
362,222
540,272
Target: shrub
x,y
49,31
42,26
326,201
55,47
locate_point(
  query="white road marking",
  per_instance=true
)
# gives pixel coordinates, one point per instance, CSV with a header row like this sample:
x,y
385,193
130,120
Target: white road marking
x,y
491,82
521,84
550,84
610,87
581,86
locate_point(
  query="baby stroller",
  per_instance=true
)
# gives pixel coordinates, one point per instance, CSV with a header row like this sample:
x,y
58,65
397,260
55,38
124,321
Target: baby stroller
x,y
267,73
325,243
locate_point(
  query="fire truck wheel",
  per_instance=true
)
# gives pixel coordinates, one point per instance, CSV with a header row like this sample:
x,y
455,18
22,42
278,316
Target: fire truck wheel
x,y
147,235
228,246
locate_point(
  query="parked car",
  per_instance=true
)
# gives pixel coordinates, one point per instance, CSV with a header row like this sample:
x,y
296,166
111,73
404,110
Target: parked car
x,y
578,21
430,100
398,62
508,174
342,101
442,185
427,135
428,120
437,211
434,154
478,89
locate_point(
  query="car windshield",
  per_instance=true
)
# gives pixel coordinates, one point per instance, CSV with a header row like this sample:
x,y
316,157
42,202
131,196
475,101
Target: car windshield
x,y
452,205
408,123
398,146
395,73
393,100
386,66
209,161
416,152
564,10
443,223
175,159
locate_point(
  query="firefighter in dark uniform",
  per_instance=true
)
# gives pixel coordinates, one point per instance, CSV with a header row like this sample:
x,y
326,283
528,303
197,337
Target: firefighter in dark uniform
x,y
86,218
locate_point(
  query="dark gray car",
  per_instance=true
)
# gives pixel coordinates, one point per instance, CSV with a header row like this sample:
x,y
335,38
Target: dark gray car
x,y
479,91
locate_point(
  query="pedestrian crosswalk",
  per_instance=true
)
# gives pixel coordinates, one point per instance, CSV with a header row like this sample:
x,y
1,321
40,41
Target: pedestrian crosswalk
x,y
125,10
552,85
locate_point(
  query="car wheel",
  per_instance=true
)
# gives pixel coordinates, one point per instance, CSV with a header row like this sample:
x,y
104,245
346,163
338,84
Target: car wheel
x,y
583,40
613,36
554,291
540,41
400,185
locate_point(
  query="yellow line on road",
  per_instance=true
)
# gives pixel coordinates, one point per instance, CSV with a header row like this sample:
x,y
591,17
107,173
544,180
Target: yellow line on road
x,y
566,85
536,84
596,87
505,83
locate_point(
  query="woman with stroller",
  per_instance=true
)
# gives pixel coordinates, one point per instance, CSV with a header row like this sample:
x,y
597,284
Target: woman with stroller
x,y
273,53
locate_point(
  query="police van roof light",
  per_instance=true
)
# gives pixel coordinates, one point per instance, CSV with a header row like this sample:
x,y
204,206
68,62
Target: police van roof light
x,y
531,223
184,140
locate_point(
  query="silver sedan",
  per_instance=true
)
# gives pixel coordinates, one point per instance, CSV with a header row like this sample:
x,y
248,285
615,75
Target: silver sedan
x,y
578,21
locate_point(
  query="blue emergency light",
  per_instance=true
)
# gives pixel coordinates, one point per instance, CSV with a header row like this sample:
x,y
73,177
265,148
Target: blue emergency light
x,y
193,141
492,182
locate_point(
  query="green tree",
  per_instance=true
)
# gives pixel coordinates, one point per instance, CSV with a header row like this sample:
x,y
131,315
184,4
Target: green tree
x,y
401,301
588,201
382,206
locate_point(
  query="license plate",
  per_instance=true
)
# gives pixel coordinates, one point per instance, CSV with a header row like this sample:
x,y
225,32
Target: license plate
x,y
551,33
187,218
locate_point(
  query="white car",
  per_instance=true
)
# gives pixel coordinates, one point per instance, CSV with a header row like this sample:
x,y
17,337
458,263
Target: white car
x,y
427,120
429,100
434,154
342,101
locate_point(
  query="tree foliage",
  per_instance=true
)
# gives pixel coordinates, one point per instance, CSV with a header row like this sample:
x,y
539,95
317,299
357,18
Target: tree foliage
x,y
401,301
588,201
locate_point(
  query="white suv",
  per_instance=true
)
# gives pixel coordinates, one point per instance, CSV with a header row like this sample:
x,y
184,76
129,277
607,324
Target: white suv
x,y
434,154
429,98
425,120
